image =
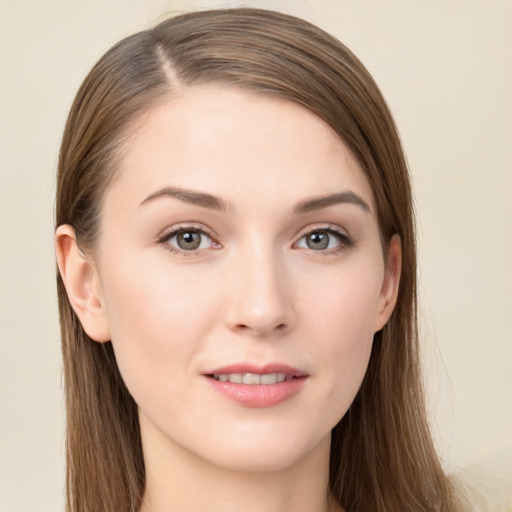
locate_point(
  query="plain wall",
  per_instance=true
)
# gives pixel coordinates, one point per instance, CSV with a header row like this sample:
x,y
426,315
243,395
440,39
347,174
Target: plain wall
x,y
446,70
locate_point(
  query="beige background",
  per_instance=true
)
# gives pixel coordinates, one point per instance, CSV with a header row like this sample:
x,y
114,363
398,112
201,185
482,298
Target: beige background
x,y
446,70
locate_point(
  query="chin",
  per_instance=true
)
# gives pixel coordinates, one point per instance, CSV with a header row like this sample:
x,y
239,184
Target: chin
x,y
272,452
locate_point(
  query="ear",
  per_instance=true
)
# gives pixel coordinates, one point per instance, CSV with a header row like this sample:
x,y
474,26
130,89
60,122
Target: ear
x,y
389,290
82,283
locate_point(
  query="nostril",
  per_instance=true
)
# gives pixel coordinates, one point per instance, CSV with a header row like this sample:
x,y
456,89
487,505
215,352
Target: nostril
x,y
259,329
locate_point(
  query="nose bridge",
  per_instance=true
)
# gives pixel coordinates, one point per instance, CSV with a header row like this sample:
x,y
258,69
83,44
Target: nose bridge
x,y
261,295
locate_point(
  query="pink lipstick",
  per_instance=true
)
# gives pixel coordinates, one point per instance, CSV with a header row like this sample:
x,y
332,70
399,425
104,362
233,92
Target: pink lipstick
x,y
257,386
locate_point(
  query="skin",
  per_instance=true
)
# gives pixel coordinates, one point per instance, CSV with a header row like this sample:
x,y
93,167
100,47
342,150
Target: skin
x,y
254,292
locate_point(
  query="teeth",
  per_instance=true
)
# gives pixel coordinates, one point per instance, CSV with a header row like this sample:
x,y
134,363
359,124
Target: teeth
x,y
269,378
252,378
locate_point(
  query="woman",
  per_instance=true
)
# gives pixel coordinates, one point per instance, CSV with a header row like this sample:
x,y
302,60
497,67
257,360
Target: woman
x,y
237,278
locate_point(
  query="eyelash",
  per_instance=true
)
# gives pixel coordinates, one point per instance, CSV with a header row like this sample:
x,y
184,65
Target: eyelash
x,y
166,237
345,241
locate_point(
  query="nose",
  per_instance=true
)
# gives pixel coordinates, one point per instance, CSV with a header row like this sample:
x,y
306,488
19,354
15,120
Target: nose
x,y
261,295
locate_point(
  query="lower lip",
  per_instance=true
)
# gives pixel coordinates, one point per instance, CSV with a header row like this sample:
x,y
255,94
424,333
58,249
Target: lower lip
x,y
258,395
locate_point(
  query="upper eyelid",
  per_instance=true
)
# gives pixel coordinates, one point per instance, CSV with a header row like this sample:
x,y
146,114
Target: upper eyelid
x,y
322,227
173,230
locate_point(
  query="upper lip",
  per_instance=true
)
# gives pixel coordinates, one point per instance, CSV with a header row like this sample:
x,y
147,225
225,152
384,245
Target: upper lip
x,y
258,370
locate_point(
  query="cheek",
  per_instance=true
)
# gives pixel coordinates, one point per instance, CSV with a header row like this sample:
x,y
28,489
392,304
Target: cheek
x,y
158,321
344,305
342,323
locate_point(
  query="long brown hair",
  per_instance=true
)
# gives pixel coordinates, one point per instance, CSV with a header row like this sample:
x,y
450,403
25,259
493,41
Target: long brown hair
x,y
382,456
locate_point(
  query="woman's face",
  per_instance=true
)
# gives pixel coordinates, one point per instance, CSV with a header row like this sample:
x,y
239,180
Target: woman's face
x,y
239,242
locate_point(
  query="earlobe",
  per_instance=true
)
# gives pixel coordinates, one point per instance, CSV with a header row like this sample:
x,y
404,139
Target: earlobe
x,y
81,281
389,291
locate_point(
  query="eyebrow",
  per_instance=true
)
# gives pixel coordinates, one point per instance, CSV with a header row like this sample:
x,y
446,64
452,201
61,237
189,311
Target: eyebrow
x,y
190,196
212,202
317,203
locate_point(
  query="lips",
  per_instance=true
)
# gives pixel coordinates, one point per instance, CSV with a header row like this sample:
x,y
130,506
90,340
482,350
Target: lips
x,y
257,386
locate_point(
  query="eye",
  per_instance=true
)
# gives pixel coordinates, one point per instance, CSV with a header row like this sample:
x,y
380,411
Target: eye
x,y
324,240
188,240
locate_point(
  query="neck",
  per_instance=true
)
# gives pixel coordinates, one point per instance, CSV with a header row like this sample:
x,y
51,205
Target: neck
x,y
179,480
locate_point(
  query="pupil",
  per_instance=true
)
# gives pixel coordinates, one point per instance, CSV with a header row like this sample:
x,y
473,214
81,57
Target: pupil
x,y
318,240
189,240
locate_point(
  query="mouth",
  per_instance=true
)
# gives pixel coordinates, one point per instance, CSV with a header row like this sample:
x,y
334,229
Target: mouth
x,y
253,386
253,379
249,374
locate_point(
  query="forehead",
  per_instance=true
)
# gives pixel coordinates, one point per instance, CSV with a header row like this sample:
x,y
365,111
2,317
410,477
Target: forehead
x,y
242,146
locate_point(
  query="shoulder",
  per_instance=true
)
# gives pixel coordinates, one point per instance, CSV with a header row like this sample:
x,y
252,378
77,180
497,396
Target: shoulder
x,y
486,486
